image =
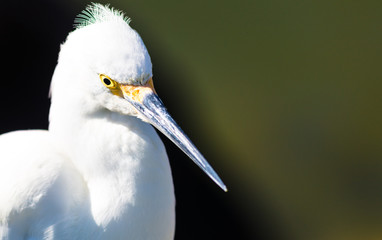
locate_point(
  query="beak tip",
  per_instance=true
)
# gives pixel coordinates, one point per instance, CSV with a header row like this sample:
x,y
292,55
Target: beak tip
x,y
214,176
220,183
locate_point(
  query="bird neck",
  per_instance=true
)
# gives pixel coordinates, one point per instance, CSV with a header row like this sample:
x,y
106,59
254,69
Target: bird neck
x,y
122,160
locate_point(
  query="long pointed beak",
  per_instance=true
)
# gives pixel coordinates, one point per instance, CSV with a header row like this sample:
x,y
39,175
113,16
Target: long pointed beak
x,y
147,102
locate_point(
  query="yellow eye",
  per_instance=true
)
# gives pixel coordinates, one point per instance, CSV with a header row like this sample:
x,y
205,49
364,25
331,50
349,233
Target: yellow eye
x,y
108,82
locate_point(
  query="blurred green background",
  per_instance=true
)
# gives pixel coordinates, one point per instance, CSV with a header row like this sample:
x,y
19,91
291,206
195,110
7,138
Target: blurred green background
x,y
282,97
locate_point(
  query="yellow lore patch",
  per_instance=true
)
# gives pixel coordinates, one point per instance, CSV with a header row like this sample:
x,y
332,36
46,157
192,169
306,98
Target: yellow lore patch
x,y
137,93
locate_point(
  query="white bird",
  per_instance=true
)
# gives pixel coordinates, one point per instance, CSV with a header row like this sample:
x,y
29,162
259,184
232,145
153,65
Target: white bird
x,y
100,171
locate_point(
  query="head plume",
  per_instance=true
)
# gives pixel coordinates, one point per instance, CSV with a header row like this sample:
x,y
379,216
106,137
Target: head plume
x,y
96,13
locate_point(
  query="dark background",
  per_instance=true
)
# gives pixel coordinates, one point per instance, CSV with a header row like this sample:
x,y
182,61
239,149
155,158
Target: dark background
x,y
282,97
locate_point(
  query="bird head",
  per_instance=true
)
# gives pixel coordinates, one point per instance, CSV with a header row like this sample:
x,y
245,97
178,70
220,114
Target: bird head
x,y
115,70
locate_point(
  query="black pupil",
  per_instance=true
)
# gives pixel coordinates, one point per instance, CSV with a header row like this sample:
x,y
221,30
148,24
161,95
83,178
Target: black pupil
x,y
106,81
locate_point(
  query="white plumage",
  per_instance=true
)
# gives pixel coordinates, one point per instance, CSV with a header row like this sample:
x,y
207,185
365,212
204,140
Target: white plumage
x,y
100,172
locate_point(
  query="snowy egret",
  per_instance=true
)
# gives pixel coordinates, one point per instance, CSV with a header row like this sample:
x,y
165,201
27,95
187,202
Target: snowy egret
x,y
100,171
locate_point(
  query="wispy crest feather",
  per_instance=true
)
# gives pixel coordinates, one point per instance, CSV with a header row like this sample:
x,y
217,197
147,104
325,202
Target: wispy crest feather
x,y
96,13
